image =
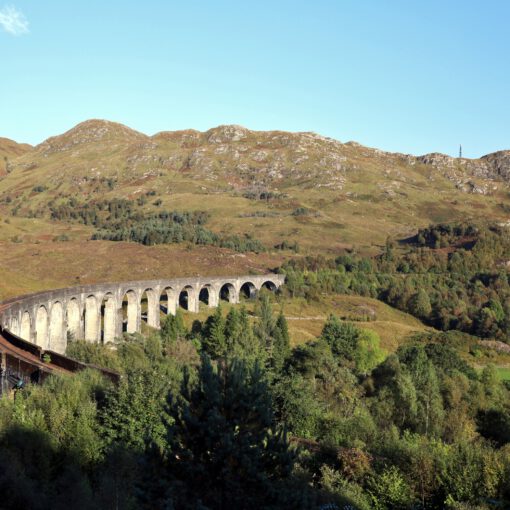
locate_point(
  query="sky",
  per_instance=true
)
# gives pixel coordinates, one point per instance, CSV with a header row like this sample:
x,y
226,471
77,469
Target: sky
x,y
401,75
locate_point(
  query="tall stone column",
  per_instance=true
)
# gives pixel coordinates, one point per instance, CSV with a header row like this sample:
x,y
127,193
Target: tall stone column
x,y
172,302
153,309
193,305
92,319
110,319
214,296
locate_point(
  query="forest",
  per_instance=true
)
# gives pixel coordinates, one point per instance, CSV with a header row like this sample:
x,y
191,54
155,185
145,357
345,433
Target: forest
x,y
225,414
123,220
451,276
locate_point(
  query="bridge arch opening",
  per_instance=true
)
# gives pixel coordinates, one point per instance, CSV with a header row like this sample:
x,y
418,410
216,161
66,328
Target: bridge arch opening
x,y
129,312
73,320
57,342
187,298
25,327
108,318
92,319
269,285
228,293
205,295
248,290
41,327
149,308
167,301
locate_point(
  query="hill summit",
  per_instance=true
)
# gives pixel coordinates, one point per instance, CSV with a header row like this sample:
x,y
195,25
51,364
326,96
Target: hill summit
x,y
274,154
92,131
275,185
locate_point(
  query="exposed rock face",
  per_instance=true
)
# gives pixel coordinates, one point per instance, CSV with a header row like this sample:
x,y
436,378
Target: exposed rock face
x,y
492,167
91,131
436,159
225,134
498,164
243,157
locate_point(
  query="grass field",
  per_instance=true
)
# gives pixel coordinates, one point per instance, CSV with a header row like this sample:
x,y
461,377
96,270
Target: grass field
x,y
32,267
504,373
306,320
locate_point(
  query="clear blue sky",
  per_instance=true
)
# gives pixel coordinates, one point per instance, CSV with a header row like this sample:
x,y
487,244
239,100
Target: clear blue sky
x,y
410,76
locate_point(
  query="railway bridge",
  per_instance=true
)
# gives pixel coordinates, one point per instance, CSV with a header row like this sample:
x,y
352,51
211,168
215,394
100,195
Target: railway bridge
x,y
102,312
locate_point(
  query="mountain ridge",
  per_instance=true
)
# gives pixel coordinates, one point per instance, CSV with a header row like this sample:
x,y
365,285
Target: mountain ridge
x,y
235,132
493,166
273,185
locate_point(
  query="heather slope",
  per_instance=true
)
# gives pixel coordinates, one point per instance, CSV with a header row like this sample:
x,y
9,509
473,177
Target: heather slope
x,y
274,185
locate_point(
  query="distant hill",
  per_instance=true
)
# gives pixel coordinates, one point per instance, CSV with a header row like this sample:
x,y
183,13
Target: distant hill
x,y
280,188
252,157
10,149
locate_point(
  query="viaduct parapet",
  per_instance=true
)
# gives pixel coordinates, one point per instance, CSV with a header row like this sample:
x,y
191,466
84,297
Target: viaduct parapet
x,y
102,312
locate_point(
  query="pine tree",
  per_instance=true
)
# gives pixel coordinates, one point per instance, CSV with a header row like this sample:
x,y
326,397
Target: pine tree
x,y
213,342
281,348
223,443
249,347
264,327
233,330
173,328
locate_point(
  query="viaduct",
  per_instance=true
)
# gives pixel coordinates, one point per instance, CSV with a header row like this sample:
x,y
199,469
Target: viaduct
x,y
99,313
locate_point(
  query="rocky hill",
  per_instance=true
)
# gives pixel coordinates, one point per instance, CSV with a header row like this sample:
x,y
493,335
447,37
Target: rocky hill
x,y
240,157
271,184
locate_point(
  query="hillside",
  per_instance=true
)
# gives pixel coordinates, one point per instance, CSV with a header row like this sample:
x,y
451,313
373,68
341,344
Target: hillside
x,y
275,186
9,149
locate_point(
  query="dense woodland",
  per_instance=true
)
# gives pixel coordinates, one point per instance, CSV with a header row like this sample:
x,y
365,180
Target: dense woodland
x,y
226,415
453,277
124,220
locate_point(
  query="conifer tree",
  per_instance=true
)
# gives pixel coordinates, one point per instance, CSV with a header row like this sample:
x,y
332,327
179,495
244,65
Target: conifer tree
x,y
233,329
249,347
281,348
173,328
223,442
213,342
264,327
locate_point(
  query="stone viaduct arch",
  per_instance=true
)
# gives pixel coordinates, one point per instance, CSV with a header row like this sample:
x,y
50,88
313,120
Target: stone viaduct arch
x,y
41,327
57,342
100,313
26,326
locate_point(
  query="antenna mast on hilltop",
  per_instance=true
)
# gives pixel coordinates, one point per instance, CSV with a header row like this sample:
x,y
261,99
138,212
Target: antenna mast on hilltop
x,y
460,151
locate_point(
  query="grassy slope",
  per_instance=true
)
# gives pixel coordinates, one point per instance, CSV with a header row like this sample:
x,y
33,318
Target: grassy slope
x,y
504,373
306,319
9,150
28,267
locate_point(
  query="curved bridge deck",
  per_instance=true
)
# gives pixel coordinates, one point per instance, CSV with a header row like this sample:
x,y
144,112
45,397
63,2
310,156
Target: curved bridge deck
x,y
42,323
